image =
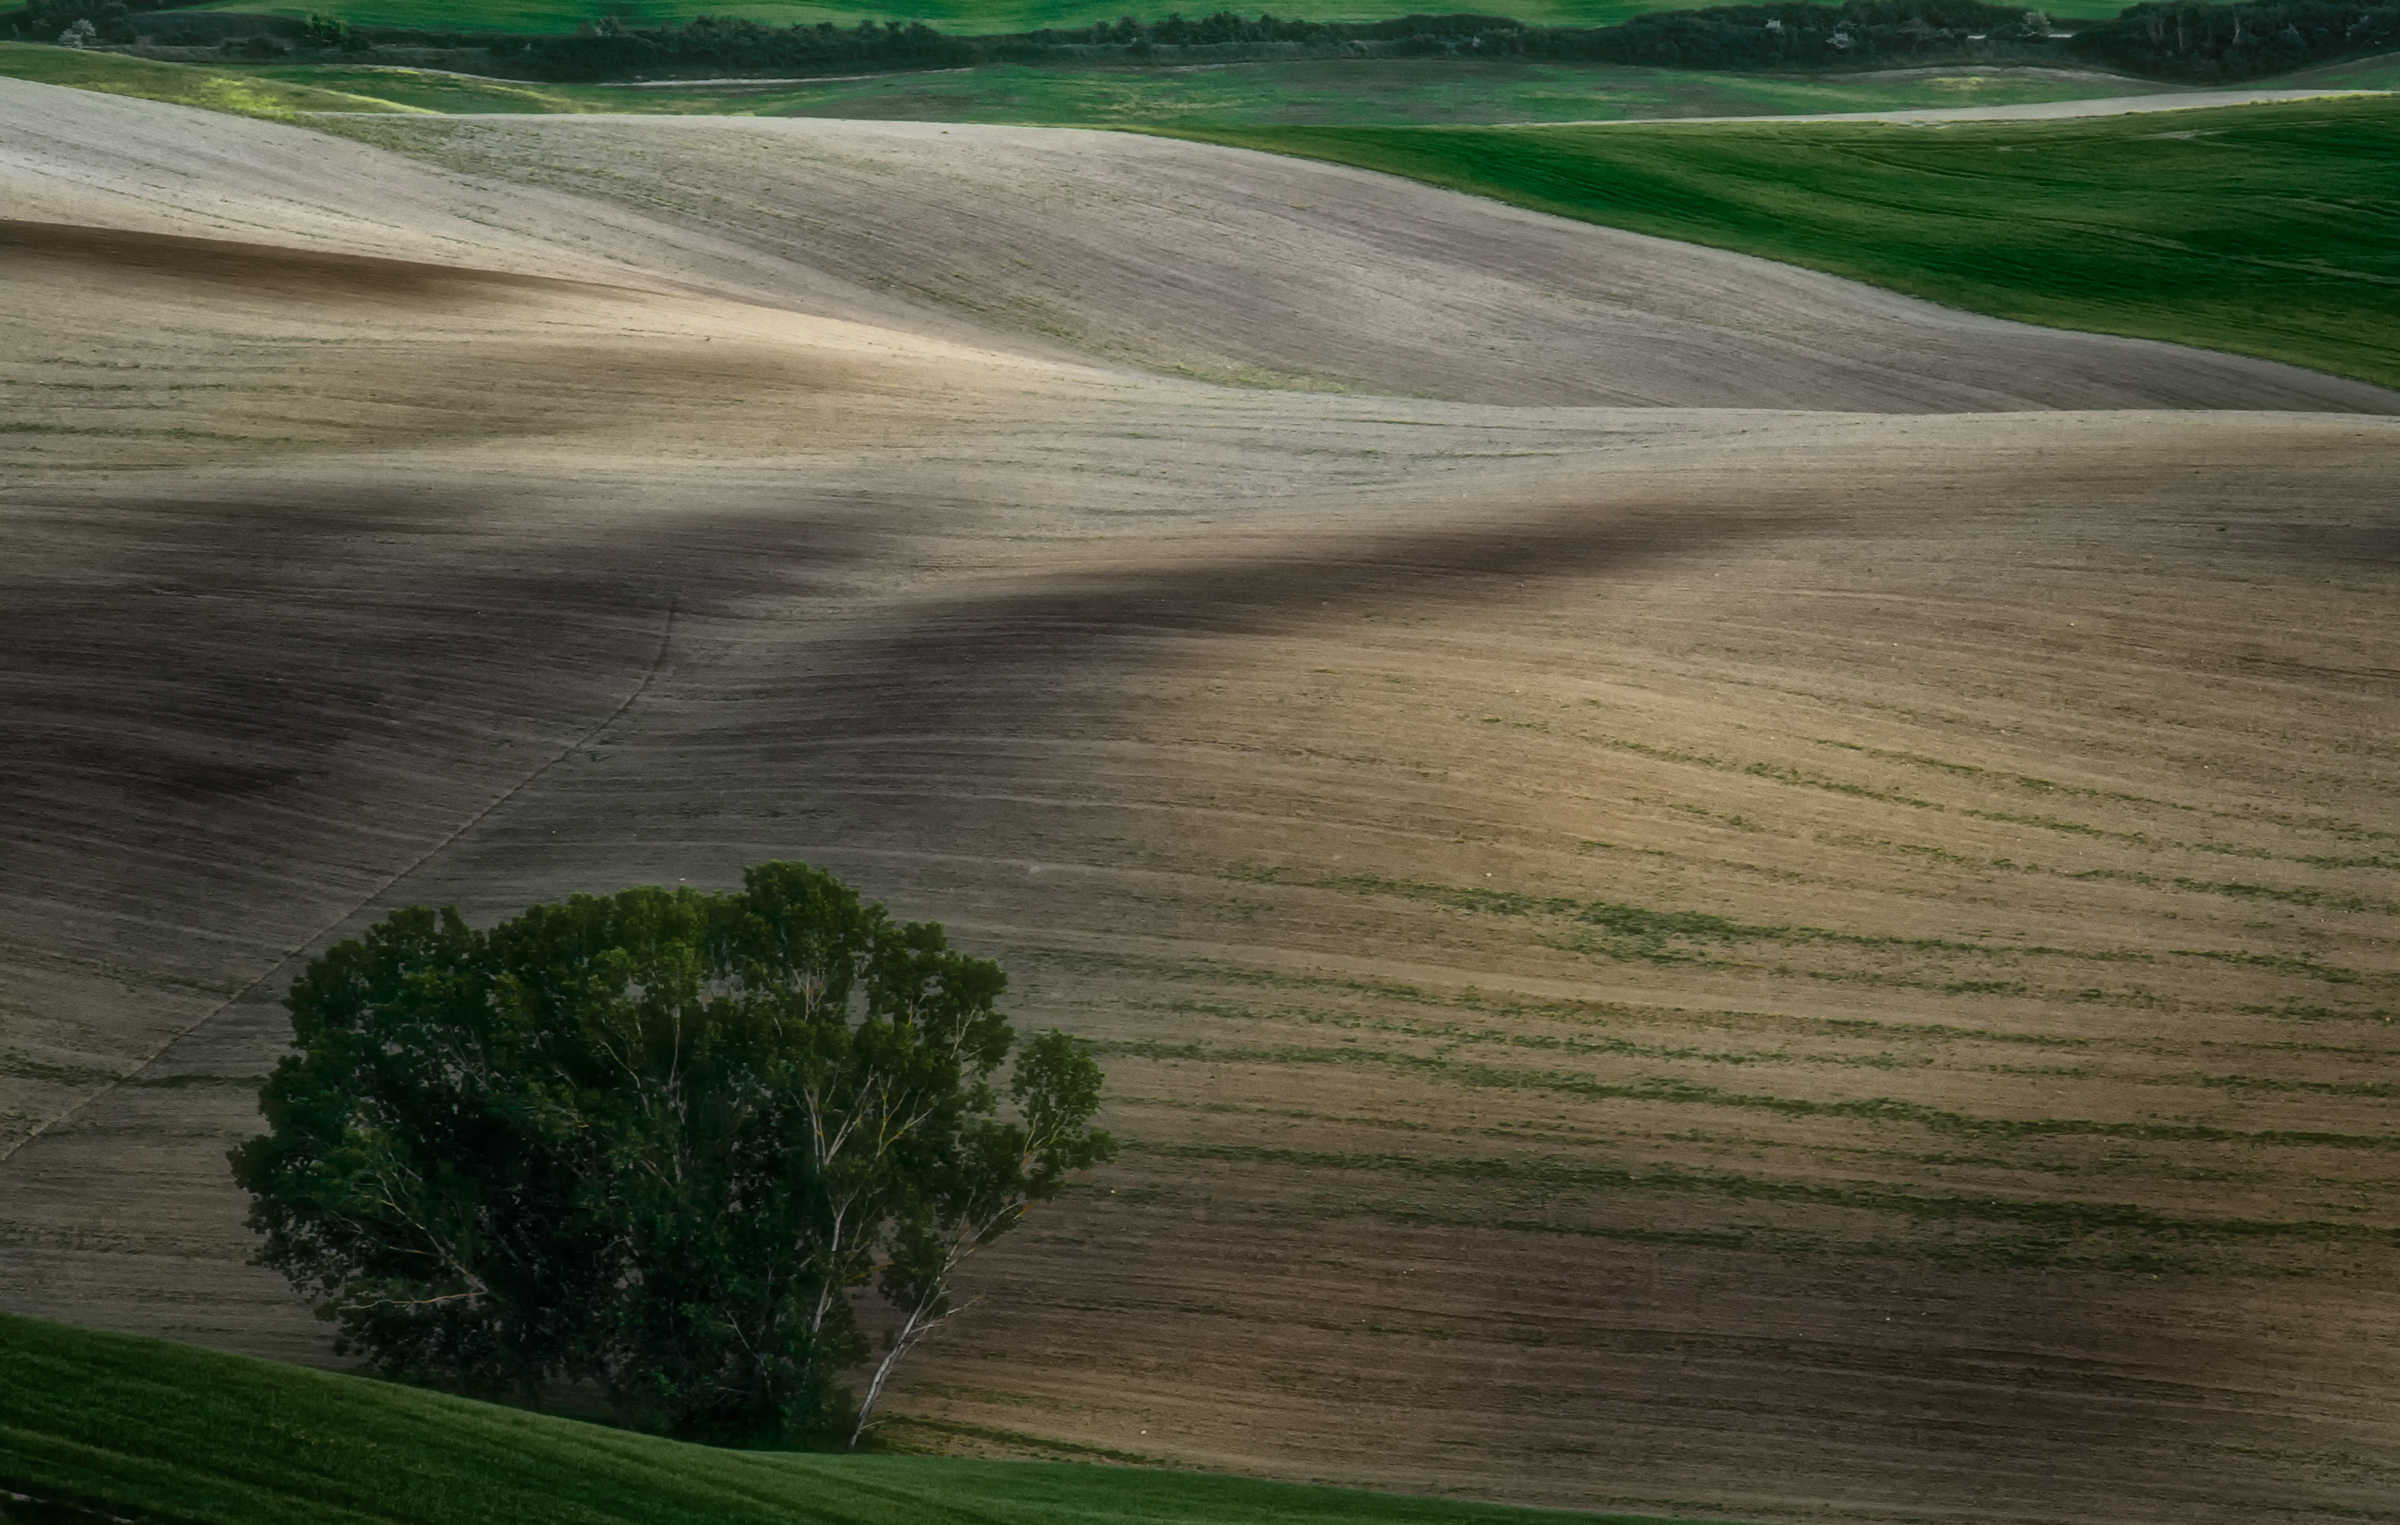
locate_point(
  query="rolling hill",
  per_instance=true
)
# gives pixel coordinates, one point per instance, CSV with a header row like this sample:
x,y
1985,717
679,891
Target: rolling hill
x,y
1707,890
2186,227
97,1423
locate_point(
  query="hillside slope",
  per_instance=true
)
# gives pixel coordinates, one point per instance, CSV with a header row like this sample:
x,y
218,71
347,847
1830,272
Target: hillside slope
x,y
113,1423
1072,245
1260,269
1749,961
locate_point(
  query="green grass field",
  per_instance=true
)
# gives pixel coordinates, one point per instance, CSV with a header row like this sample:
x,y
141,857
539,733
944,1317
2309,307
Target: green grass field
x,y
2378,73
239,91
959,16
2264,230
1301,92
119,1424
1312,92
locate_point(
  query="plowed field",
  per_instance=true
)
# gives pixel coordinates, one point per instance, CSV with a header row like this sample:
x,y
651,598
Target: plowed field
x,y
1703,888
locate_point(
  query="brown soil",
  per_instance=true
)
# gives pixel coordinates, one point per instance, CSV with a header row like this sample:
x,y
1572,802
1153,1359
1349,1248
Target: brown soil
x,y
1807,954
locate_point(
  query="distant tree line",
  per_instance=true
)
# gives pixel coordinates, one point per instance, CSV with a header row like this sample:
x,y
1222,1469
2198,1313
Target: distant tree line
x,y
1862,33
2168,39
111,20
1784,36
2187,40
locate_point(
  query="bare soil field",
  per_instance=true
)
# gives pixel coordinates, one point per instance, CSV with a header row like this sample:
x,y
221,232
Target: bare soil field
x,y
1703,889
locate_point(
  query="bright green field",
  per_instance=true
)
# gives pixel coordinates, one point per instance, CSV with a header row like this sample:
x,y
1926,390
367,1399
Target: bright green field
x,y
1300,92
960,16
2265,230
239,91
134,1425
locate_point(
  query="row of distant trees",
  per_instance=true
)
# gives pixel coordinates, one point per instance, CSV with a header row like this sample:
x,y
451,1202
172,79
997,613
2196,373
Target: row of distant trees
x,y
2189,40
2179,39
1801,36
2170,39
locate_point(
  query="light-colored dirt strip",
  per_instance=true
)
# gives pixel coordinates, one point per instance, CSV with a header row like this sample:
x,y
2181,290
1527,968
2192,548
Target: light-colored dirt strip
x,y
1769,963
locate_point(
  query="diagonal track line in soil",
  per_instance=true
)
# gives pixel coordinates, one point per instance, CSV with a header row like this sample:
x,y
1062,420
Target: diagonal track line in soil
x,y
658,660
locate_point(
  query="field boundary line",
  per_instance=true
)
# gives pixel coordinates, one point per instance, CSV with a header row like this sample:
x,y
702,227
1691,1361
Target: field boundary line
x,y
658,661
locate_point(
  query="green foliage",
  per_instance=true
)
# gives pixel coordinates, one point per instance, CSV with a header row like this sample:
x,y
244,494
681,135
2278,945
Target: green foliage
x,y
565,17
142,1427
2194,40
326,32
656,1140
1859,34
2264,230
968,18
104,21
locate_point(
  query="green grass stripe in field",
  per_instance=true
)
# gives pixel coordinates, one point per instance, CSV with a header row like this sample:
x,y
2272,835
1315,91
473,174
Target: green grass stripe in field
x,y
137,1425
1289,92
1632,931
1985,1252
1693,1093
2264,230
2378,73
212,89
1546,1174
1301,91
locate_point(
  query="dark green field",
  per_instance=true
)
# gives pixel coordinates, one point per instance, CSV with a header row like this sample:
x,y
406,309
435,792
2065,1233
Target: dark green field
x,y
2264,230
116,1424
1296,92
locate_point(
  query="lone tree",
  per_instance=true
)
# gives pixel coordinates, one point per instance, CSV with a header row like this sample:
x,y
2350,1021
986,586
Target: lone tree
x,y
664,1141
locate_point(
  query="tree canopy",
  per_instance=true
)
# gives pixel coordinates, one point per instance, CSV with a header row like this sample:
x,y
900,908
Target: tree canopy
x,y
676,1144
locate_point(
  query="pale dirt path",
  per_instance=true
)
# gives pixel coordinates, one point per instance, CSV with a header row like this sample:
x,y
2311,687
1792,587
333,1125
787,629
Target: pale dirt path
x,y
1214,711
2035,111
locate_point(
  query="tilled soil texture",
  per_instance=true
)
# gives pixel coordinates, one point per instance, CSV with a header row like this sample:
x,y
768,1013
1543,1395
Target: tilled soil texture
x,y
1822,948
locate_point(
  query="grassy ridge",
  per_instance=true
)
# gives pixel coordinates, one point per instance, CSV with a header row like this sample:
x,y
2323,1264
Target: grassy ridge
x,y
2264,230
2380,73
1298,92
127,1424
236,91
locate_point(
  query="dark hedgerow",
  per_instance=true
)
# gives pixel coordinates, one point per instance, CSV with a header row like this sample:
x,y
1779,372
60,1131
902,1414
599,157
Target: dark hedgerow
x,y
2188,40
1861,33
663,1141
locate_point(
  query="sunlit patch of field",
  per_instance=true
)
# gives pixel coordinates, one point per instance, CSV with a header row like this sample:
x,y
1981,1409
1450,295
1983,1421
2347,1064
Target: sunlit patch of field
x,y
211,89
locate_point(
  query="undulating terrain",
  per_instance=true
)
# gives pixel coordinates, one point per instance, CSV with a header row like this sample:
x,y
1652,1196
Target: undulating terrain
x,y
1705,889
